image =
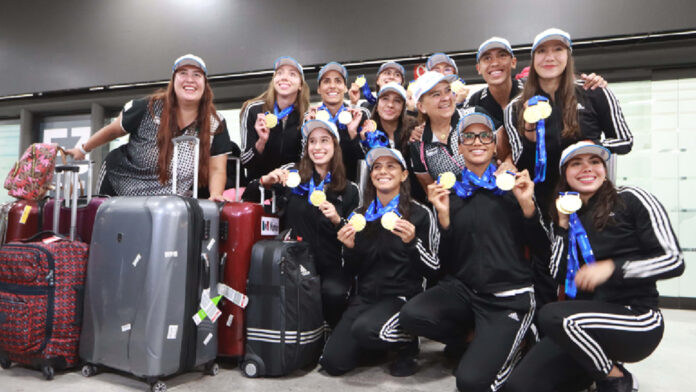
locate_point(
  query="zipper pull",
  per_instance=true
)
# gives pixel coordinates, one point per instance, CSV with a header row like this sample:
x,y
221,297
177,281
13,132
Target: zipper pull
x,y
49,278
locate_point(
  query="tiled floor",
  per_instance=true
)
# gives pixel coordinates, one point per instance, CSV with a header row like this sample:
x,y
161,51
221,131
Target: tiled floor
x,y
667,370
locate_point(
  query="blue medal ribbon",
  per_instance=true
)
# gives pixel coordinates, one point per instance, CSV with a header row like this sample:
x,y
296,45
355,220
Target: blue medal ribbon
x,y
576,236
375,139
308,187
334,119
376,210
284,113
367,93
471,182
540,156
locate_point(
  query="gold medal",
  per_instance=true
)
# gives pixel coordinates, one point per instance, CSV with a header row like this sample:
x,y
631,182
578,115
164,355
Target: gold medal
x,y
317,197
544,109
560,208
271,120
570,202
323,115
457,86
389,220
345,117
531,114
447,180
357,221
360,80
505,181
293,179
411,87
370,125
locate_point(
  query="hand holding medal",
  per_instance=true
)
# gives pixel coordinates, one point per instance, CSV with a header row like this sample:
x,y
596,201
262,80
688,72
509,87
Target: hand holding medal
x,y
538,108
447,180
293,179
357,221
360,81
271,120
389,219
457,86
568,202
323,115
506,180
345,117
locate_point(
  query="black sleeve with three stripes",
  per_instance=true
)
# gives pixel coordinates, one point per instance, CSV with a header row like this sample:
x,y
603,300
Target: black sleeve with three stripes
x,y
617,137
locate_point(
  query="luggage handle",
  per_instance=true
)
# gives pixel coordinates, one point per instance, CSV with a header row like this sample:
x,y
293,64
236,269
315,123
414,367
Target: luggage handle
x,y
74,170
273,198
223,262
89,164
206,271
175,158
42,234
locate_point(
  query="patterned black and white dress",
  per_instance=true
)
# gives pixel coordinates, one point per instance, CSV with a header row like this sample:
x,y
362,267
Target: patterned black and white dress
x,y
136,172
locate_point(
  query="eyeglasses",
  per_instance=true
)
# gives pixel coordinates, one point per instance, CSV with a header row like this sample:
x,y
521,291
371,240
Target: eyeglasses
x,y
468,138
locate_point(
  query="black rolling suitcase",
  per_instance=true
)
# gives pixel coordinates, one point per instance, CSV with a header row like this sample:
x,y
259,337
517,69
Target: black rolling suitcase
x,y
285,324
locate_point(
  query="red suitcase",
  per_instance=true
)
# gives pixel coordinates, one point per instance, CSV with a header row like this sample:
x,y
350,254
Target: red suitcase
x,y
24,219
86,211
41,293
242,225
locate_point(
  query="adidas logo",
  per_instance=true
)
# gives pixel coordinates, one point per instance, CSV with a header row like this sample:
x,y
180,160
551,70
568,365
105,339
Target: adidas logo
x,y
514,316
580,107
303,270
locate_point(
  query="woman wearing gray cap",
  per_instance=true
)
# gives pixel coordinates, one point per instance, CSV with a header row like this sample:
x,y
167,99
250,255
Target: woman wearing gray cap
x,y
143,165
389,72
612,246
270,123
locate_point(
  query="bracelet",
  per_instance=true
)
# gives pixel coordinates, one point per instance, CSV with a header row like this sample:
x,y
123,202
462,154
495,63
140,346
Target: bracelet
x,y
81,147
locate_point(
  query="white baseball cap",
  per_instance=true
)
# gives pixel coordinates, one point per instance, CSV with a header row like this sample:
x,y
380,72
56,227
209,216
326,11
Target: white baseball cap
x,y
190,59
427,81
377,152
580,148
492,43
311,125
395,87
552,34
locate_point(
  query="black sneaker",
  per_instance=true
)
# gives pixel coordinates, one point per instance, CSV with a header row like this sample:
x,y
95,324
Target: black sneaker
x,y
403,366
618,384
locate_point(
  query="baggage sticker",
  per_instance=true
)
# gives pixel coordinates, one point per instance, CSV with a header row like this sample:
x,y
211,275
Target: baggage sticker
x,y
270,225
229,321
171,253
125,327
171,332
233,295
25,215
208,308
137,259
207,339
50,240
210,244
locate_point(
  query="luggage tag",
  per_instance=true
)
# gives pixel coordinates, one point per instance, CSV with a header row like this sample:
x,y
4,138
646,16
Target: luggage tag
x,y
208,308
233,295
51,239
25,215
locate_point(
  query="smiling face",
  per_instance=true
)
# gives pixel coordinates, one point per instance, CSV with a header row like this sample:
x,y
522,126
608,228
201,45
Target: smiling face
x,y
496,65
550,59
320,147
389,75
390,106
332,88
189,84
477,154
387,174
438,102
287,81
585,174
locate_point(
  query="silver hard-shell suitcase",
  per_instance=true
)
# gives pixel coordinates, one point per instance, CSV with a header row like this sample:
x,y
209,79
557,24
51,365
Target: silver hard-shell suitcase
x,y
152,259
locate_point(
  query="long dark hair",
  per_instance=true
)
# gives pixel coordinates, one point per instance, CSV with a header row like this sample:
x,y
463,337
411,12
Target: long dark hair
x,y
338,171
607,199
567,99
169,127
404,126
370,193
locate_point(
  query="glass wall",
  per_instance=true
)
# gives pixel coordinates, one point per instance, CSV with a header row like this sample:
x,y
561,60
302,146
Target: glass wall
x,y
662,117
9,152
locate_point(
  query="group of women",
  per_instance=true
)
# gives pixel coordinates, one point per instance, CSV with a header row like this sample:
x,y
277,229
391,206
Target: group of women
x,y
499,203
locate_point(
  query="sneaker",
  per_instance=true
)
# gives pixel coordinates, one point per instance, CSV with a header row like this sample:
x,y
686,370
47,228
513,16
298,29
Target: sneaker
x,y
633,376
403,366
618,384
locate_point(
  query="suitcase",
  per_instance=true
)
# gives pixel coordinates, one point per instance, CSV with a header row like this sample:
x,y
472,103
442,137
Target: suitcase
x,y
284,320
41,287
242,225
24,219
86,210
152,262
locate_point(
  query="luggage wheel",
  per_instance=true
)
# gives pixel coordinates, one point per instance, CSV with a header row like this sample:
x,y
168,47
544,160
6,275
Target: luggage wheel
x,y
5,363
89,370
250,368
212,368
48,372
158,386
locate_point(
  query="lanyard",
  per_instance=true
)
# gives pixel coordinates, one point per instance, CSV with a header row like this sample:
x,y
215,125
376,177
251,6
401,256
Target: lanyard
x,y
576,236
376,210
471,182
